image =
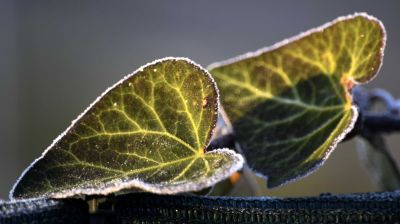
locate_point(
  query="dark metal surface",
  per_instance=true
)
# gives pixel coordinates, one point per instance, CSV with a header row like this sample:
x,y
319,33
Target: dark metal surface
x,y
43,211
357,208
149,208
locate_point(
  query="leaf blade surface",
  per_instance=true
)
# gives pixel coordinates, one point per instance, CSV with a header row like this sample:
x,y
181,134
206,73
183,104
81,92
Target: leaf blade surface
x,y
289,104
148,132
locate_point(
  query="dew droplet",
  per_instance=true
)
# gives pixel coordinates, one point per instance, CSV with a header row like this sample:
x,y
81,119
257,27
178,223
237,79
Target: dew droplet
x,y
115,104
204,103
130,84
155,70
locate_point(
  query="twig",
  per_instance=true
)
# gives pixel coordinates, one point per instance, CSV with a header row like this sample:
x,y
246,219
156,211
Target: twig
x,y
385,121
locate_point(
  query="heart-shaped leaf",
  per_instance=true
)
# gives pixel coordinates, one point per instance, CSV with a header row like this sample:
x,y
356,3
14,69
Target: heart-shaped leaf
x,y
147,132
289,104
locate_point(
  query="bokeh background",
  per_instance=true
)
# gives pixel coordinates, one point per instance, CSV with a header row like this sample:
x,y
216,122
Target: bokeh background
x,y
56,57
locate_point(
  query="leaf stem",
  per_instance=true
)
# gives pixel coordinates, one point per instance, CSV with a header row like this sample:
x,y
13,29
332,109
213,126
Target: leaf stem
x,y
369,119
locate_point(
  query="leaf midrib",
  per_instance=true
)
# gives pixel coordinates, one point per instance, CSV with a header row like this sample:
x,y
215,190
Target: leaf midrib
x,y
144,132
269,96
124,174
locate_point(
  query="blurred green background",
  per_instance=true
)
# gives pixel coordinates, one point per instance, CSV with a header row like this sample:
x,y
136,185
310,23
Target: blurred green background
x,y
56,57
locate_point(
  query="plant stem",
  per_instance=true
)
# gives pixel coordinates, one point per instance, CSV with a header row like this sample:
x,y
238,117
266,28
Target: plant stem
x,y
381,122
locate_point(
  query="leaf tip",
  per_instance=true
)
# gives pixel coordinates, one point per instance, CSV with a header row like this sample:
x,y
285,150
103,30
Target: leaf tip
x,y
374,70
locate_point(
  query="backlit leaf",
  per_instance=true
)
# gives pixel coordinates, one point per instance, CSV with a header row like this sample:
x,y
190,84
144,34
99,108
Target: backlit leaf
x,y
147,132
289,104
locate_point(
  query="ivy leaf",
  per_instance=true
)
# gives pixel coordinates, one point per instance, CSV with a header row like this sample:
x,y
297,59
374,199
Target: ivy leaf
x,y
148,132
289,104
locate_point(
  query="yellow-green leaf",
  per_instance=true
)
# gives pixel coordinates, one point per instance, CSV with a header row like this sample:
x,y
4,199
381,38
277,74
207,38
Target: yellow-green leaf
x,y
148,132
289,104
